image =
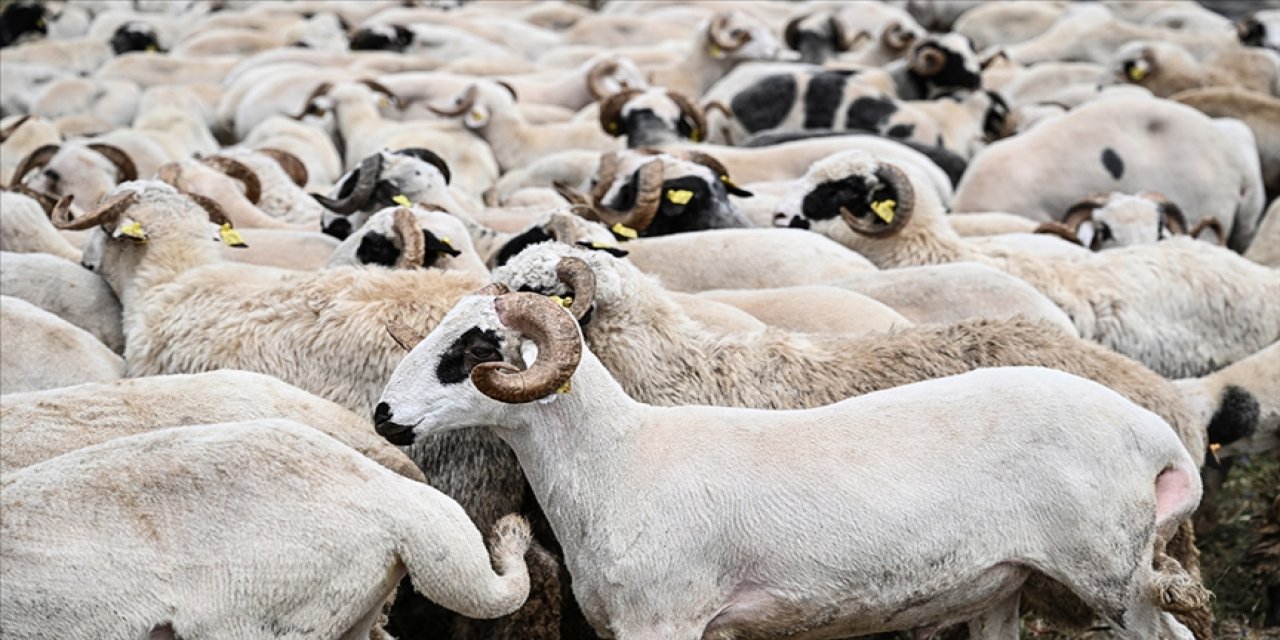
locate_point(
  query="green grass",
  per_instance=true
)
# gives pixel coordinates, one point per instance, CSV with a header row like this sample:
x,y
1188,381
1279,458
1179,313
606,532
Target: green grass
x,y
1237,587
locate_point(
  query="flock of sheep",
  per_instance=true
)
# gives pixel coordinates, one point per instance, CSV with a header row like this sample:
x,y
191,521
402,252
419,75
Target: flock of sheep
x,y
357,319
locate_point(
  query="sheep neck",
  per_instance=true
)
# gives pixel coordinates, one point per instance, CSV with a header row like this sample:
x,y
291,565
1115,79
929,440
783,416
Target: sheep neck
x,y
924,242
163,262
507,133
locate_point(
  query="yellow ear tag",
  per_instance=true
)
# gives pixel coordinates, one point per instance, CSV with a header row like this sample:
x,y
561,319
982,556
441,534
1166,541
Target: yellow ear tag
x,y
447,242
624,231
133,230
716,52
696,135
476,116
613,127
151,48
402,200
603,245
230,237
884,209
564,301
679,196
565,388
1137,73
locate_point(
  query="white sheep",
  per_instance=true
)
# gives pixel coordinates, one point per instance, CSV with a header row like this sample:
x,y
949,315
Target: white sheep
x,y
38,425
65,289
730,532
813,309
291,533
411,238
19,136
1111,220
25,228
39,350
1181,307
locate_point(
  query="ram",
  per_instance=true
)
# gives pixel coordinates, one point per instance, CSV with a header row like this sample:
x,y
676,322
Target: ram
x,y
730,579
163,499
1166,69
652,117
1181,307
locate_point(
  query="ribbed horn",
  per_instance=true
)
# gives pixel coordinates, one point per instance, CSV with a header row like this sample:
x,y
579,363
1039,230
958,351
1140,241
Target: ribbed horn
x,y
611,111
694,112
559,343
240,171
596,76
290,163
367,175
126,170
717,32
404,336
413,247
575,274
105,213
648,195
34,160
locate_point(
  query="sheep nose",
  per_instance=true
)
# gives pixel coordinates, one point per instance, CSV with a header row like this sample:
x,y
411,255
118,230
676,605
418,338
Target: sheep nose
x,y
381,413
779,219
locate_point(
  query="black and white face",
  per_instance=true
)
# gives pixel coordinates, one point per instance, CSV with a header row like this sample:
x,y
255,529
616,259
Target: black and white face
x,y
135,36
431,389
534,270
21,19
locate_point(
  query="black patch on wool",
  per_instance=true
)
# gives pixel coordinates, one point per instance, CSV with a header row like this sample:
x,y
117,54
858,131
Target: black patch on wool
x,y
339,228
134,36
953,75
376,248
765,104
679,218
21,18
369,40
822,98
867,113
901,130
470,349
1237,416
521,242
1112,163
824,202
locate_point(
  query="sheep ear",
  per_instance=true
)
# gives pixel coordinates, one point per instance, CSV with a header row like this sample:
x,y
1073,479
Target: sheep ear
x,y
127,227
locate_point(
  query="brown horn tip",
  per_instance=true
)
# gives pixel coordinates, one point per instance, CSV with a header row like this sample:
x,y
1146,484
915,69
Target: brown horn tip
x,y
105,213
126,170
241,172
492,289
404,336
466,102
1211,223
1061,230
559,343
295,168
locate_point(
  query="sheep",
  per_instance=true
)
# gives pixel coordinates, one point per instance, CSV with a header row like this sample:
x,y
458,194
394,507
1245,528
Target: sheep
x,y
1119,144
216,178
65,289
813,309
25,228
1092,33
88,169
411,238
114,102
21,83
43,351
652,117
937,65
1165,69
170,115
184,311
644,602
1110,220
149,70
283,248
19,136
594,80
726,40
1260,29
1262,115
380,179
40,425
310,145
488,109
1181,307
472,162
74,56
163,499
819,36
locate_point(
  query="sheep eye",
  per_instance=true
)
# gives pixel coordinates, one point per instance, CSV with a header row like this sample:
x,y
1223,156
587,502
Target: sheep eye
x,y
482,352
52,175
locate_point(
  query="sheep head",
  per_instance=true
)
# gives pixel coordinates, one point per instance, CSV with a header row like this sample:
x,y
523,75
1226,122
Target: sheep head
x,y
940,64
612,74
652,117
820,36
477,355
1108,220
477,104
84,170
384,179
417,237
731,35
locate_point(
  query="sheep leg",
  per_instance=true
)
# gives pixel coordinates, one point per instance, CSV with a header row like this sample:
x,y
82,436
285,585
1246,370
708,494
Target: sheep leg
x,y
1000,622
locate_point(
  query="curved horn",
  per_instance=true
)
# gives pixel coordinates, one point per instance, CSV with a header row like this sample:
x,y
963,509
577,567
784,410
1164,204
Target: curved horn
x,y
47,201
611,111
648,194
125,169
216,213
382,88
559,350
928,61
873,225
320,90
581,280
290,163
711,162
34,160
240,171
596,76
691,109
468,100
575,197
1079,212
1170,214
895,37
492,289
1061,230
716,32
716,105
368,172
841,37
1209,222
791,34
404,336
414,247
8,131
61,210
430,157
105,213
